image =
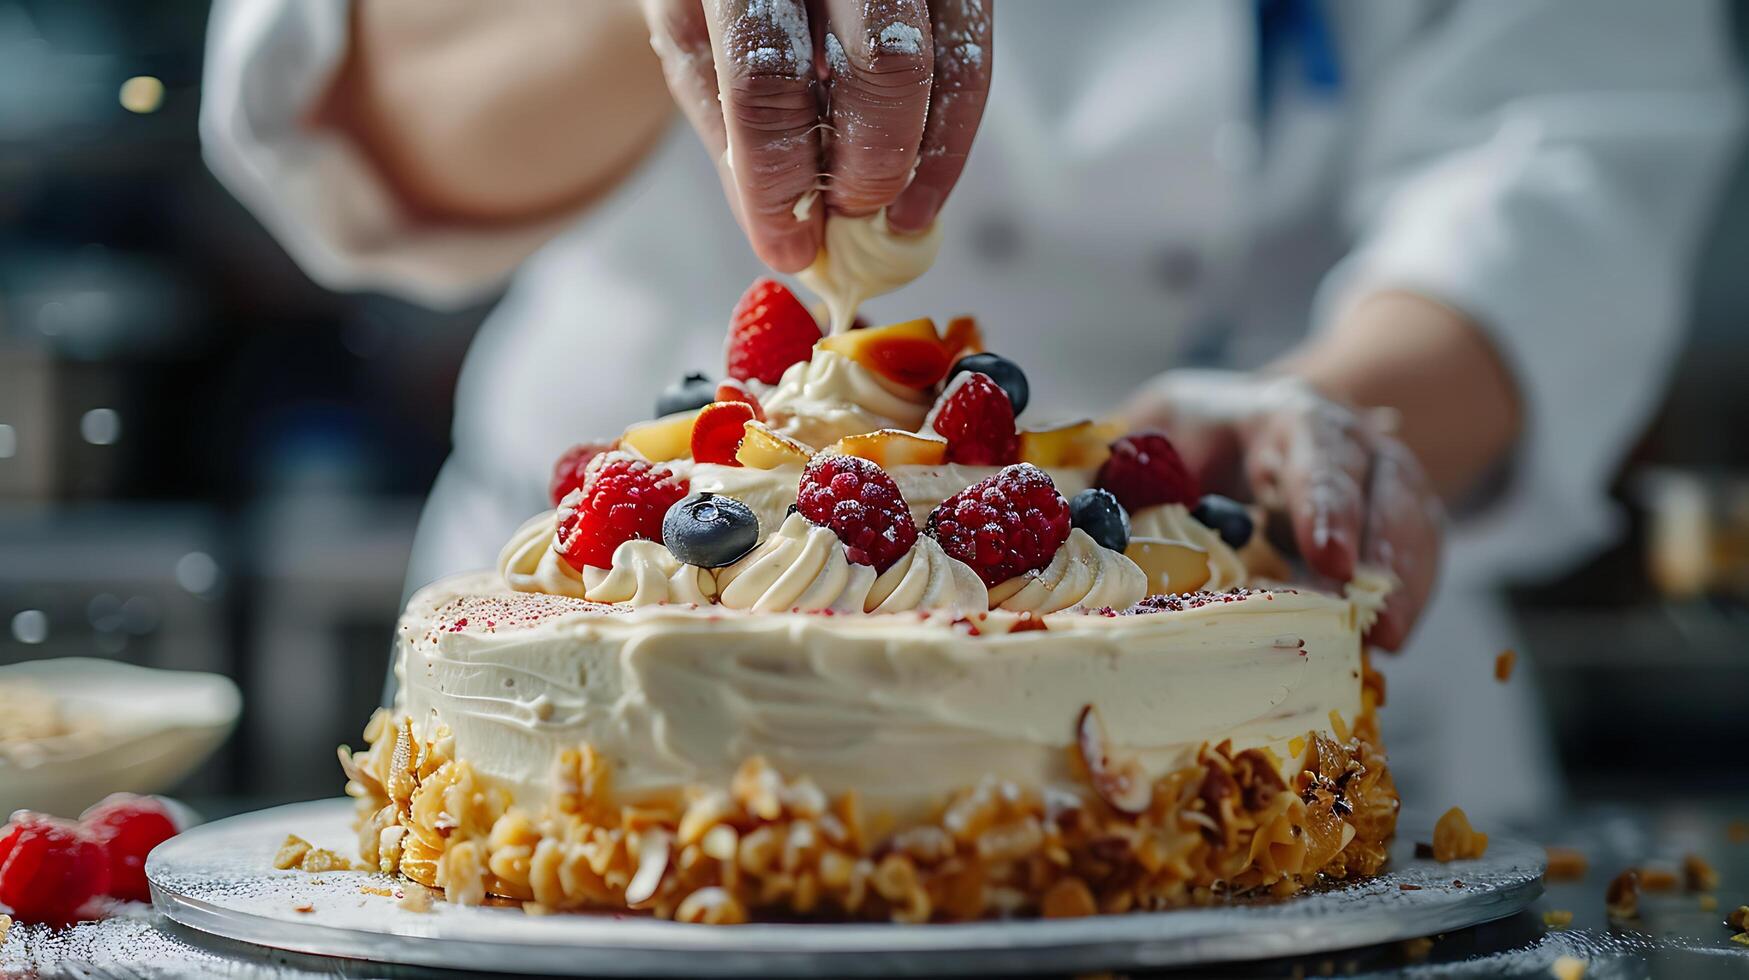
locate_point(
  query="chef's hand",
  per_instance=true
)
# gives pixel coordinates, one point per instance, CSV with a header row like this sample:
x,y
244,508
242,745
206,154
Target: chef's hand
x,y
1353,493
845,95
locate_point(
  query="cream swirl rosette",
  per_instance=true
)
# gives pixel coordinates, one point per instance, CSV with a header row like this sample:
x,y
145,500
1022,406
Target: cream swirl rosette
x,y
804,566
528,562
801,567
1081,573
830,396
645,573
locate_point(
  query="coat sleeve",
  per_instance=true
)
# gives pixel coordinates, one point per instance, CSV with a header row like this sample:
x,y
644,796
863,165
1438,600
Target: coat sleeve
x,y
1548,168
268,62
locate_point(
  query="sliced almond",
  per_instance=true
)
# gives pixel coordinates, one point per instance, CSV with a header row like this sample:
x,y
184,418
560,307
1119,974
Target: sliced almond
x,y
1119,782
652,865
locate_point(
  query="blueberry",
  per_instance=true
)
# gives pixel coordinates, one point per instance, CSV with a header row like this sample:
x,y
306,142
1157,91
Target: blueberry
x,y
1099,514
1225,516
710,531
691,392
1001,370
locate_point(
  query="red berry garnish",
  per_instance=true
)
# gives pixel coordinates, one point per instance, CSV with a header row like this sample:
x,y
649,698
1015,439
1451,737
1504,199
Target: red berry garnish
x,y
737,391
1144,470
861,504
128,827
976,418
1005,524
568,471
49,868
622,498
717,432
769,331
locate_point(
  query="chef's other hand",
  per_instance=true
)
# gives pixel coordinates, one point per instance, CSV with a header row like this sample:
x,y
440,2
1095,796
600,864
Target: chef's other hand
x,y
1353,493
845,96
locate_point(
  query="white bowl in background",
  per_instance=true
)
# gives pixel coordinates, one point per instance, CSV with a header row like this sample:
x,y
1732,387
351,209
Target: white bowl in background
x,y
156,727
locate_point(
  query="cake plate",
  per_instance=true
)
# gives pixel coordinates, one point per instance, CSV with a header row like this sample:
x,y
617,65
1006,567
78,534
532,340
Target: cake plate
x,y
219,879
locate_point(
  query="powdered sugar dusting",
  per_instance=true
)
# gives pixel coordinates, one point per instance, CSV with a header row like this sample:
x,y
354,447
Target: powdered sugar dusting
x,y
835,56
902,38
776,36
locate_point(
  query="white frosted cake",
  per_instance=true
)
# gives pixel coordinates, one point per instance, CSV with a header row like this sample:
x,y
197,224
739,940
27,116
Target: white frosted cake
x,y
837,638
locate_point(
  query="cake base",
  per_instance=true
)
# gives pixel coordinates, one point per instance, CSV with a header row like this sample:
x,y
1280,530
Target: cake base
x,y
218,879
1228,826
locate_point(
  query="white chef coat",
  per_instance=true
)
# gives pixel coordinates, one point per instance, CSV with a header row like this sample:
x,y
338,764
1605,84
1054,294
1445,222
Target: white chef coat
x,y
1132,203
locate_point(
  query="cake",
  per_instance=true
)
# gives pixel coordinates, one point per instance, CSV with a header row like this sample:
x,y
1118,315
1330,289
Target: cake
x,y
838,638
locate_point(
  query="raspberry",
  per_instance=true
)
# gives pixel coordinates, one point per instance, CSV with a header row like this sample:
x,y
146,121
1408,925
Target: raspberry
x,y
769,331
861,504
1003,525
622,497
49,868
568,471
976,417
128,827
1145,470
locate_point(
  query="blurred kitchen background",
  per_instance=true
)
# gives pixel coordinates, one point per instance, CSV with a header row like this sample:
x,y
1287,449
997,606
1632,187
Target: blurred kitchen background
x,y
207,462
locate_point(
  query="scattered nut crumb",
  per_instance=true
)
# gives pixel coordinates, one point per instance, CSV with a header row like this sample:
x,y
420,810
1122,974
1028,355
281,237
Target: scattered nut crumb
x,y
291,852
1457,883
300,854
1698,875
1739,918
1406,887
1709,903
1622,898
1567,968
306,907
418,899
1657,879
1558,918
1566,864
1454,838
374,890
1417,949
1423,850
1503,665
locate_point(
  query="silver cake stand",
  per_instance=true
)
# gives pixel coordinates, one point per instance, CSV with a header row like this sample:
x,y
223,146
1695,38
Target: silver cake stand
x,y
219,879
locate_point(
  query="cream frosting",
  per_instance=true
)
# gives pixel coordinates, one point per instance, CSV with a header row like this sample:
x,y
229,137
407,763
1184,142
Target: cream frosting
x,y
800,567
927,577
528,562
1172,522
645,573
1081,573
830,396
861,258
903,709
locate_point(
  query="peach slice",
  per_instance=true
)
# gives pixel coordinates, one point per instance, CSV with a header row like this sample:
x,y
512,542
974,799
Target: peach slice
x,y
1119,782
963,337
909,353
663,439
763,449
893,447
1078,444
1172,567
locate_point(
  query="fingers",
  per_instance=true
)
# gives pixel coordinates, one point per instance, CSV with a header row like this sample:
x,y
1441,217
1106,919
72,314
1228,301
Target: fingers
x,y
680,36
1402,533
880,56
765,74
956,104
1314,463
